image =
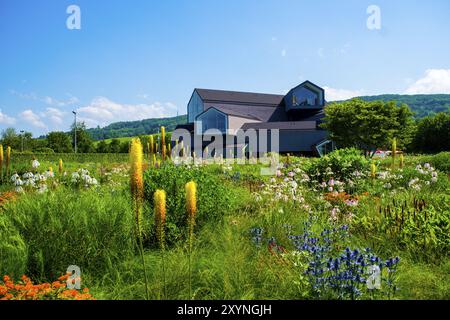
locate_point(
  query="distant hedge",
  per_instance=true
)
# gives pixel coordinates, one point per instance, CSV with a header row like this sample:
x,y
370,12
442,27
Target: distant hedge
x,y
71,157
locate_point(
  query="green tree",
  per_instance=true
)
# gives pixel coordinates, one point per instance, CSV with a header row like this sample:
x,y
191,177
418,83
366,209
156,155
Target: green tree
x,y
368,125
103,147
11,138
433,133
59,142
84,140
114,146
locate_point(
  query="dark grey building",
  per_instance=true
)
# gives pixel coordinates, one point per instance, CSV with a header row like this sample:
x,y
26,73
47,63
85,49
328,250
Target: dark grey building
x,y
296,115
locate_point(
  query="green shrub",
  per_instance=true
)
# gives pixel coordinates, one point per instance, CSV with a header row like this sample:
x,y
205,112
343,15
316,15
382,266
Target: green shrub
x,y
214,197
13,251
339,164
441,161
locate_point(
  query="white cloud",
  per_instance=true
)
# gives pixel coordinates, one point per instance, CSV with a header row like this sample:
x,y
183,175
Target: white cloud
x,y
32,118
5,119
283,53
55,115
434,81
59,103
102,111
332,94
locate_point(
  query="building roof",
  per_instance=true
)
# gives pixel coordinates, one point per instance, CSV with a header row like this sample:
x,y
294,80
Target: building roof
x,y
285,125
236,97
256,112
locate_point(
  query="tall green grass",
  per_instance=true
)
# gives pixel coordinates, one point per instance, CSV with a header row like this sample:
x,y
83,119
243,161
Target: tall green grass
x,y
93,230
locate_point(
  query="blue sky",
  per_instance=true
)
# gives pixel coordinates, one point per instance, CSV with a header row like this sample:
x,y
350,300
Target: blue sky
x,y
138,59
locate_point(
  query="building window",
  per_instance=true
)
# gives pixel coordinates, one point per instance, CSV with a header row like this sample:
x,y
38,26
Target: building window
x,y
213,119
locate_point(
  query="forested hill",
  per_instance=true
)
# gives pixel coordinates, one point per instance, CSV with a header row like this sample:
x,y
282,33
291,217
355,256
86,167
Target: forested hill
x,y
421,104
135,128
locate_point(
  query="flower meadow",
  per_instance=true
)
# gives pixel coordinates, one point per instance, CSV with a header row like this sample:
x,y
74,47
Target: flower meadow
x,y
341,227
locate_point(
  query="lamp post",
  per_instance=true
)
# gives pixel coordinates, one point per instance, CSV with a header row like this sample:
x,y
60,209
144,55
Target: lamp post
x,y
75,131
21,134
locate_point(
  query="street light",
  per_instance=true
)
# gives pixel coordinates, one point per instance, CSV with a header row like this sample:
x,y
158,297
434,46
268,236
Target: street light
x,y
75,130
22,132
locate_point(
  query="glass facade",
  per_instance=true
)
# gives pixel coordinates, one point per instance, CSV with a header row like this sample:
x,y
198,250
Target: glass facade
x,y
305,97
195,107
213,119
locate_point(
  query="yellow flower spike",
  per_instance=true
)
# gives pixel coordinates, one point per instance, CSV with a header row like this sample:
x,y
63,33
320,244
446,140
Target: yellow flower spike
x,y
137,194
152,144
402,161
163,135
191,209
1,160
191,199
154,159
136,180
373,170
60,166
8,159
50,169
163,152
394,151
159,200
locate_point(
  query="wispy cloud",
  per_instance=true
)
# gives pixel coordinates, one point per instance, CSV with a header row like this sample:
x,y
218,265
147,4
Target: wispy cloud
x,y
102,111
32,118
333,94
54,115
46,99
433,81
283,53
6,120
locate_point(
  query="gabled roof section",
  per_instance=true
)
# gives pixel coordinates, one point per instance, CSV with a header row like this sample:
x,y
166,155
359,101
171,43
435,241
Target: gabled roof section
x,y
237,97
310,85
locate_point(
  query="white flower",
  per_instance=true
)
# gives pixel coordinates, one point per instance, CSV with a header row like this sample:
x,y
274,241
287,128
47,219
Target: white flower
x,y
427,166
35,164
43,188
19,189
15,177
434,179
29,183
28,175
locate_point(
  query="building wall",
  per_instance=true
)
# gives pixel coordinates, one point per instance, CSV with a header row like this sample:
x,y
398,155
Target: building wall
x,y
300,140
235,123
195,107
